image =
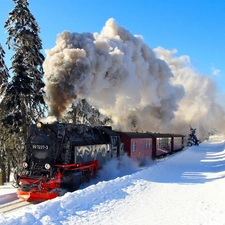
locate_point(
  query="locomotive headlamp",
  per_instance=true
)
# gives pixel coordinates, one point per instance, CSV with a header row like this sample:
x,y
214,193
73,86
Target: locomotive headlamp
x,y
39,124
25,164
47,166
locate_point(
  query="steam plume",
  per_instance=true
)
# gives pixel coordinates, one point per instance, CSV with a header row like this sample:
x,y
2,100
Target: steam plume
x,y
117,72
199,107
126,80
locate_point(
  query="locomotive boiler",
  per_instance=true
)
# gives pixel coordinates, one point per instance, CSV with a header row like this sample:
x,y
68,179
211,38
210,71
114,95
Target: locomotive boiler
x,y
62,156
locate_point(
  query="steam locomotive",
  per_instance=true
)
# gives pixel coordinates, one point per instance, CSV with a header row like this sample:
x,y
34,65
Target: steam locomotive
x,y
64,155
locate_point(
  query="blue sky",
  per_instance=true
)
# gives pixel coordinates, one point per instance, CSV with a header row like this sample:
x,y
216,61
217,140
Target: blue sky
x,y
194,27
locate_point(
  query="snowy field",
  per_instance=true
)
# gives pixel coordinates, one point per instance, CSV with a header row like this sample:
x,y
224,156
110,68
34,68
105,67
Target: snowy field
x,y
186,188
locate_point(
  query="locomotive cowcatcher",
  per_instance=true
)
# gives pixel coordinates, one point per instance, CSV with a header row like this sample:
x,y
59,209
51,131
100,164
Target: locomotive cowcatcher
x,y
62,156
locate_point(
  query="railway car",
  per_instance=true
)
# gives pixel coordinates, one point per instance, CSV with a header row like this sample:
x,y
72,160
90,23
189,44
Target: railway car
x,y
178,142
162,144
138,146
63,156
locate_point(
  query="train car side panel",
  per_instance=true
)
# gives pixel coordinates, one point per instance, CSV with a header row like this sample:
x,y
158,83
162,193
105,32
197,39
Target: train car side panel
x,y
162,144
137,145
102,153
137,151
148,148
177,142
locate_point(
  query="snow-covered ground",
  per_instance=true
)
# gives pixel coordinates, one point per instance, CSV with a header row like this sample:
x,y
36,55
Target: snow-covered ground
x,y
187,188
7,193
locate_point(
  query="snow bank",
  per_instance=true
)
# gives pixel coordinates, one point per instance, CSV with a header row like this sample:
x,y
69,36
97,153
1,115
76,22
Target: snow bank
x,y
185,188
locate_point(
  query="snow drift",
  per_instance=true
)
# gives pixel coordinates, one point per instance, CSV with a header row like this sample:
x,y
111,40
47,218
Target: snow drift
x,y
185,188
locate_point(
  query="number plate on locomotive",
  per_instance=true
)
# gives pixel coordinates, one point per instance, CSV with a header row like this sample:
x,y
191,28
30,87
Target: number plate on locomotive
x,y
40,147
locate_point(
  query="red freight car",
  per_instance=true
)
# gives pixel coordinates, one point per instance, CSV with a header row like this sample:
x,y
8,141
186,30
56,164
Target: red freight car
x,y
138,146
161,145
178,142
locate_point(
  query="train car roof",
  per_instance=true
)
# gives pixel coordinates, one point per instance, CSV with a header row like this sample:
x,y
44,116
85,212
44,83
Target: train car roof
x,y
150,135
161,135
137,134
177,135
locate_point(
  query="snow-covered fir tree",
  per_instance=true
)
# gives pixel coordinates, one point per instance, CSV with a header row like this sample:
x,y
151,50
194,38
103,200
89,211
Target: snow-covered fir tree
x,y
23,99
4,156
4,73
82,112
192,138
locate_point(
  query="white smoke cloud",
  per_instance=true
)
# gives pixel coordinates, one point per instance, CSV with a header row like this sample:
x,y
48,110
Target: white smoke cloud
x,y
199,107
117,72
128,81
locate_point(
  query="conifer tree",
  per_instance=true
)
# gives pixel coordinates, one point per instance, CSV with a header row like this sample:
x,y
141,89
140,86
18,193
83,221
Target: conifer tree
x,y
4,75
192,138
4,72
82,112
23,99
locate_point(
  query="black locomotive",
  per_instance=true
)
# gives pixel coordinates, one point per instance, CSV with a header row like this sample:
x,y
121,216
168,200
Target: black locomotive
x,y
63,156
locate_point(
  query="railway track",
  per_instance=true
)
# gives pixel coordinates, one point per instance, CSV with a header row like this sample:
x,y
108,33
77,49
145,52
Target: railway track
x,y
13,206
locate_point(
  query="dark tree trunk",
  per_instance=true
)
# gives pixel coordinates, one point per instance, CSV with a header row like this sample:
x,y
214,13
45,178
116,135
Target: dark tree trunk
x,y
8,171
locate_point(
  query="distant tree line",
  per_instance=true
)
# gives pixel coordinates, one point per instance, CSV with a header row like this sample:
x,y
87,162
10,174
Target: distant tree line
x,y
21,101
